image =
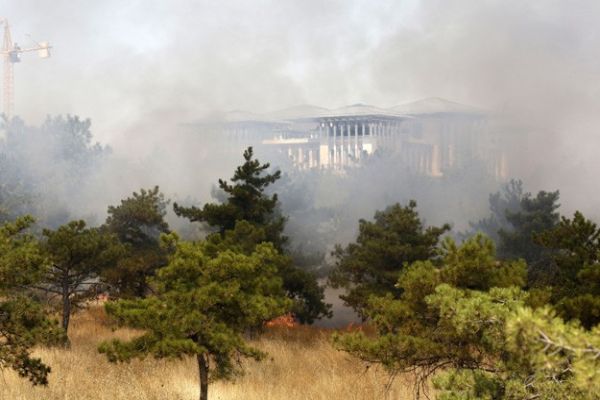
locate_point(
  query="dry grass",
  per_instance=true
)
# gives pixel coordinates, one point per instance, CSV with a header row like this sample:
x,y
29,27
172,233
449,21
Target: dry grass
x,y
301,365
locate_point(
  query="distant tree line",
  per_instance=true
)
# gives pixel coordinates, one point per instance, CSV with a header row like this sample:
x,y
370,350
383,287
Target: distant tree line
x,y
44,170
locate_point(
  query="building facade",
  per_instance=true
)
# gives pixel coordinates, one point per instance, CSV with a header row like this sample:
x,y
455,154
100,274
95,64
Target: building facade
x,y
428,137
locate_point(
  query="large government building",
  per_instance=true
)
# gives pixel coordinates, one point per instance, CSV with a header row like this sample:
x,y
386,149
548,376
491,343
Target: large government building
x,y
429,136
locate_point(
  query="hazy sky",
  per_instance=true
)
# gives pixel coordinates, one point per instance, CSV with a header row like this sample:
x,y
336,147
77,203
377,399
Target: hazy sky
x,y
118,61
138,67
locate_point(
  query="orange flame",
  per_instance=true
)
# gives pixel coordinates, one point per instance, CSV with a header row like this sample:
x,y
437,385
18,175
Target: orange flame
x,y
286,321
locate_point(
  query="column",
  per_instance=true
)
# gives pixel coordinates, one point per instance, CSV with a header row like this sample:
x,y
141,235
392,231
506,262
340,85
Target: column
x,y
362,140
324,147
342,142
348,142
356,141
436,161
335,157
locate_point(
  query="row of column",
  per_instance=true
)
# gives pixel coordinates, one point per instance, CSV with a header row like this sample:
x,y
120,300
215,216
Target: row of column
x,y
345,139
304,158
418,157
422,158
335,128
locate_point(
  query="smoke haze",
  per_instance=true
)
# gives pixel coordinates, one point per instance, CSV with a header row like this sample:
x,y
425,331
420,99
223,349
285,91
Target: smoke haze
x,y
139,69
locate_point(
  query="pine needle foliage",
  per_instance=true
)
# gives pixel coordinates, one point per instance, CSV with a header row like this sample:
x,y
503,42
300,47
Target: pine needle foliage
x,y
76,256
383,248
542,357
248,216
535,215
24,323
574,245
138,222
466,325
438,321
246,200
205,302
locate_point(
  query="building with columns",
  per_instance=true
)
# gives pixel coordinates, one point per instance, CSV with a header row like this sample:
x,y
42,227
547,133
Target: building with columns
x,y
428,137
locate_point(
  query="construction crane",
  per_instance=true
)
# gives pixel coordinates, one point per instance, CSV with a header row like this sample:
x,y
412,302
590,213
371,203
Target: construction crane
x,y
12,55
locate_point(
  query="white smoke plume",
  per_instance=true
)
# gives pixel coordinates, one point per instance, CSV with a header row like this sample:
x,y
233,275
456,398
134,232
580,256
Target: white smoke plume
x,y
139,69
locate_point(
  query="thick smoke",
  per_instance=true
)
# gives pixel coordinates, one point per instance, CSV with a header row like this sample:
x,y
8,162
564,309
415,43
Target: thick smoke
x,y
533,63
144,69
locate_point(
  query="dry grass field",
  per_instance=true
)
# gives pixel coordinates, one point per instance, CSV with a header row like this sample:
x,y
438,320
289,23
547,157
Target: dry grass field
x,y
301,365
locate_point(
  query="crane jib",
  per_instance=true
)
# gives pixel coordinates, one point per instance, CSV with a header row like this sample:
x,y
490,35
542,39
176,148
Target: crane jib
x,y
12,55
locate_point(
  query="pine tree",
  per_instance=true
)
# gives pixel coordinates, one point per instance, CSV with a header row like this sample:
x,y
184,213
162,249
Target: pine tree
x,y
76,257
24,323
535,215
574,245
507,200
245,200
541,357
464,324
446,316
138,222
203,306
373,264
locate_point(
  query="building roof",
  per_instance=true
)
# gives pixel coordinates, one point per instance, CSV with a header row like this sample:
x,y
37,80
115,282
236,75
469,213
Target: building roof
x,y
309,112
435,105
244,116
298,112
362,110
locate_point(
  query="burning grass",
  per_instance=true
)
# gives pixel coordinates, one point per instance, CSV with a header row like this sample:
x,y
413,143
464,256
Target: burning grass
x,y
301,365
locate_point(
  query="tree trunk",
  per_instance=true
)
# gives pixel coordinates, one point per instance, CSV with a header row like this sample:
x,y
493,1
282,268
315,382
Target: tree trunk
x,y
203,372
66,309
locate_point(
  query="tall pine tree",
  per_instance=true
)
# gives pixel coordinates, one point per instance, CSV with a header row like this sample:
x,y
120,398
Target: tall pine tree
x,y
245,199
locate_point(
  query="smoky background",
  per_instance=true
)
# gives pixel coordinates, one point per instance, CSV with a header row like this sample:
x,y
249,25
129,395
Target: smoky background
x,y
146,72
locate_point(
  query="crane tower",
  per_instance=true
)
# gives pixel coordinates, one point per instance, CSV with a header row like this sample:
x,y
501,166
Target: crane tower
x,y
11,52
